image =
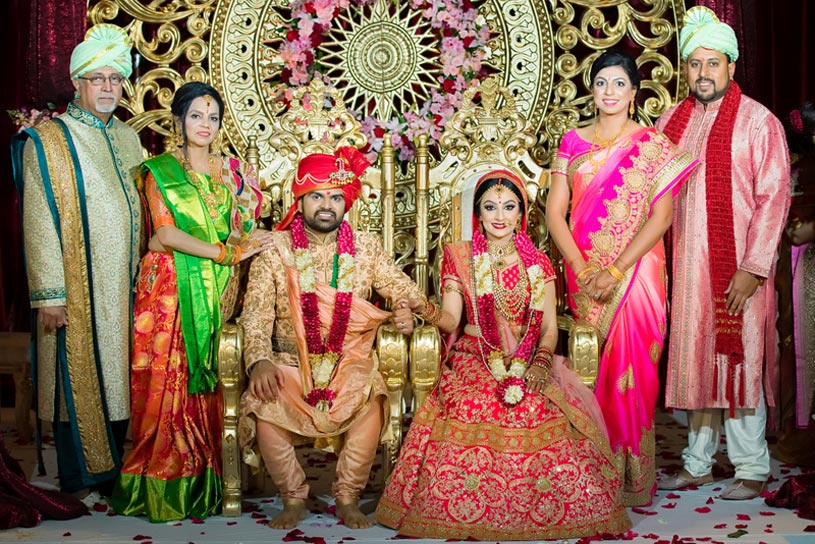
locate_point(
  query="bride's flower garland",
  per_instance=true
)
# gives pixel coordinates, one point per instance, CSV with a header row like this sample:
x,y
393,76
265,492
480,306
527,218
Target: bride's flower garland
x,y
323,356
511,388
463,35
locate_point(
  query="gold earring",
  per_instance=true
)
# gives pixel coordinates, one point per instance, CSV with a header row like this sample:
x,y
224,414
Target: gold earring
x,y
631,108
215,145
595,109
178,137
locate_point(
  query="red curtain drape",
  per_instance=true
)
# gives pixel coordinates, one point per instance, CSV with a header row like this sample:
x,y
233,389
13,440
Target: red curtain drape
x,y
38,37
776,47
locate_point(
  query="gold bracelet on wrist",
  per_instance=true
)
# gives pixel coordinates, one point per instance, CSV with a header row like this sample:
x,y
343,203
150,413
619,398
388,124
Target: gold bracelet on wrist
x,y
221,253
615,272
236,257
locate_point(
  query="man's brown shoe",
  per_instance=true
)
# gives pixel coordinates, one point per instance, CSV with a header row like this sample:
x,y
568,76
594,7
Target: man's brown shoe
x,y
683,479
743,490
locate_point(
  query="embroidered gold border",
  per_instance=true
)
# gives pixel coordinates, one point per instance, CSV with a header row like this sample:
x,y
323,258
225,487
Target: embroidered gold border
x,y
84,379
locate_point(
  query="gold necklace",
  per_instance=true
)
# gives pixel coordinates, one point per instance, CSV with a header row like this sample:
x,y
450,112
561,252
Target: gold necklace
x,y
215,194
499,251
598,143
511,302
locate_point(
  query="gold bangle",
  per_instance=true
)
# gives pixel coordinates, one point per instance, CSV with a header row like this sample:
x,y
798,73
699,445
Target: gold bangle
x,y
615,272
236,258
588,269
221,253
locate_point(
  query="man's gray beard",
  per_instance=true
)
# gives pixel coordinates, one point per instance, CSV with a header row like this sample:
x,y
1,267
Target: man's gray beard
x,y
105,108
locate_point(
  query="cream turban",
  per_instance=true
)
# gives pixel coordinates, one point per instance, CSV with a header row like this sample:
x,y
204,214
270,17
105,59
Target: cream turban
x,y
104,45
703,29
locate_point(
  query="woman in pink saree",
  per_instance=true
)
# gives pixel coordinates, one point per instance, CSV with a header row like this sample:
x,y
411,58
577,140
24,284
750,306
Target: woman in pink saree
x,y
622,179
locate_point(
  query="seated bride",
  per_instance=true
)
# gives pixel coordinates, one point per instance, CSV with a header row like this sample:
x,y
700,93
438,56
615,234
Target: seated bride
x,y
510,445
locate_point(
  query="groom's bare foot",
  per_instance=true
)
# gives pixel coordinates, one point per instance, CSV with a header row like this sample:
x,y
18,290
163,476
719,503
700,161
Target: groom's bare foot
x,y
293,511
352,516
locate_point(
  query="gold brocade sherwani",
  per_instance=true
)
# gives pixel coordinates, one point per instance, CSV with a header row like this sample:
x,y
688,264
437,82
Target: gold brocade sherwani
x,y
271,332
108,156
83,232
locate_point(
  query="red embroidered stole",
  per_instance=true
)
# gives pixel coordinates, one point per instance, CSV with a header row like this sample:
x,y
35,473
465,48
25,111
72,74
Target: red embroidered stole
x,y
720,233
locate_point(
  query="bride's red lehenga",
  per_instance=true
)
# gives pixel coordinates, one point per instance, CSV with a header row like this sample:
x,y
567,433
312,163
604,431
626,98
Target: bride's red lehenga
x,y
472,467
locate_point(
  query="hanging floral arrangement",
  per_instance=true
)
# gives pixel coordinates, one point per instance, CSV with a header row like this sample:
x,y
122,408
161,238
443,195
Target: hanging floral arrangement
x,y
462,34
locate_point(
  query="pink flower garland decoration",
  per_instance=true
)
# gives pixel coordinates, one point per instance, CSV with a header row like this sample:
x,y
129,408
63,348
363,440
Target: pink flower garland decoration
x,y
24,118
463,35
328,352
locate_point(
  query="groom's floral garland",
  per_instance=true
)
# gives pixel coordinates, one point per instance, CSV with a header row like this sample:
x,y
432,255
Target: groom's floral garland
x,y
324,356
511,388
463,32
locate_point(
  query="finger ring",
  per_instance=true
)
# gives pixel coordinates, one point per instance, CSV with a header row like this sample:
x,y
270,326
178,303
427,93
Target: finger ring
x,y
597,295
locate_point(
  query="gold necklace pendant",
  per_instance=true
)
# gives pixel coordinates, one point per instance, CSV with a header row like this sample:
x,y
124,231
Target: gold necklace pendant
x,y
598,143
212,193
499,251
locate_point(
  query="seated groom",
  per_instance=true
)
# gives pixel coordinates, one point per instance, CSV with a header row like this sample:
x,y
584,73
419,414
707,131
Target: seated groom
x,y
308,338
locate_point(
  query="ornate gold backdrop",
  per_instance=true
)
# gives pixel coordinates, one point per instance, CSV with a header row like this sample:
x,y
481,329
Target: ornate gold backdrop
x,y
383,57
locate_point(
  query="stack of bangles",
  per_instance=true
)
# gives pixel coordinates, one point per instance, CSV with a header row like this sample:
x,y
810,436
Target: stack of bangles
x,y
431,314
543,359
615,272
229,255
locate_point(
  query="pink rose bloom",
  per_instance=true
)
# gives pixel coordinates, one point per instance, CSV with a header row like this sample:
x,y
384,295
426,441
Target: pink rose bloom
x,y
291,54
407,153
306,27
324,10
299,76
453,45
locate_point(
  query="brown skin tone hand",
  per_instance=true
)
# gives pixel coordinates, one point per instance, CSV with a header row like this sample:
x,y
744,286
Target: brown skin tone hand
x,y
266,380
742,286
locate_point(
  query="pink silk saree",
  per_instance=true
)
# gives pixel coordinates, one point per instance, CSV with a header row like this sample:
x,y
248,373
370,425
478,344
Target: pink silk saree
x,y
609,207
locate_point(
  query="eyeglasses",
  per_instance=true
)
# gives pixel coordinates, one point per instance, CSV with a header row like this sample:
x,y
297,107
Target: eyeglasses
x,y
98,80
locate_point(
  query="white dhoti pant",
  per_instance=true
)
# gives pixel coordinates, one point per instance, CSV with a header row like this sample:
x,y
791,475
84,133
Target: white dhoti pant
x,y
746,442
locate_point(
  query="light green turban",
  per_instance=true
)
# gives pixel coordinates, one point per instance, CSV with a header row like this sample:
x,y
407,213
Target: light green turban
x,y
703,29
104,45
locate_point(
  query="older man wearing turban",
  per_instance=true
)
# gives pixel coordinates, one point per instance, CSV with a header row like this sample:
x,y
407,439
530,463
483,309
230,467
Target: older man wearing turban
x,y
308,337
722,362
82,229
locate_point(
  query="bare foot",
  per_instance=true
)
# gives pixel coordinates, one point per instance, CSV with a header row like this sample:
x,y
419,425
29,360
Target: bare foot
x,y
293,511
352,516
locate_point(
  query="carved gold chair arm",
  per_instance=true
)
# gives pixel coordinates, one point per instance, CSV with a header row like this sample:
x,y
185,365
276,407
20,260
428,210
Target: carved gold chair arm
x,y
425,362
391,349
231,378
584,348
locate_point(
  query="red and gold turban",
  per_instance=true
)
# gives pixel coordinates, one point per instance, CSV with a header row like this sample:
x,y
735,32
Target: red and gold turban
x,y
319,172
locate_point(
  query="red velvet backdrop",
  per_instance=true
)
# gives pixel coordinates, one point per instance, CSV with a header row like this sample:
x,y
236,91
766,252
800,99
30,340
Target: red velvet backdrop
x,y
38,37
776,46
775,38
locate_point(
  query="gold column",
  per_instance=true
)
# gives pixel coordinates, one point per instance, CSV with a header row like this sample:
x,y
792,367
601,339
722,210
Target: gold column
x,y
388,167
422,212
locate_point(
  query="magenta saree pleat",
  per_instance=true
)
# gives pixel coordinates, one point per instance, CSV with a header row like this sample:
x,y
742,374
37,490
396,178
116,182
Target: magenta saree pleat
x,y
609,207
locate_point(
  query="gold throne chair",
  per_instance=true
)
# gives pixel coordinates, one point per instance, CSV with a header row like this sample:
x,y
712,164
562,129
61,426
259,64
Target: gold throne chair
x,y
487,133
320,124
